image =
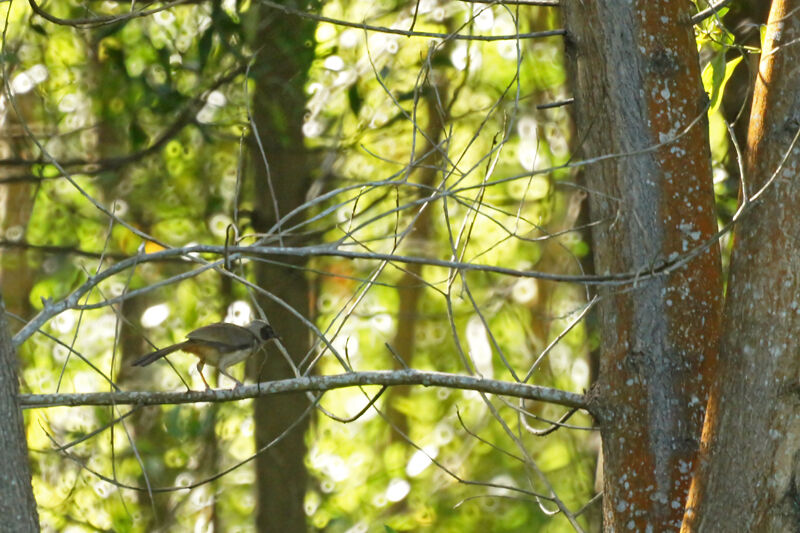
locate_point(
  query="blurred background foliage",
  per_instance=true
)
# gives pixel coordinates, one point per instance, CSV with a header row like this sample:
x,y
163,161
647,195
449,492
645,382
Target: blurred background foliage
x,y
426,147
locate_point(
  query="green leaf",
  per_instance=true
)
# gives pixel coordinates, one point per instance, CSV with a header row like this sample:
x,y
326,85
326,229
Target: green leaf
x,y
109,30
715,76
204,47
138,136
9,58
172,421
38,29
354,99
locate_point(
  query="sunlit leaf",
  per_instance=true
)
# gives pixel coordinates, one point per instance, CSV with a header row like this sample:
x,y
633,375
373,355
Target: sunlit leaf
x,y
715,76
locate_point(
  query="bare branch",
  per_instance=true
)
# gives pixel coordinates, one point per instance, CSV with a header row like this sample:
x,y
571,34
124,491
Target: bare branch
x,y
709,11
93,22
541,3
313,383
396,31
49,249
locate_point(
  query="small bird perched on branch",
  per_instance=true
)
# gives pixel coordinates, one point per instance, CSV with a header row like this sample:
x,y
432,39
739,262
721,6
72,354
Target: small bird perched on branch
x,y
220,345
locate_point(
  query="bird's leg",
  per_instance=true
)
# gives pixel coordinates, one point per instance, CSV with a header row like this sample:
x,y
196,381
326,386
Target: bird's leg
x,y
200,366
238,383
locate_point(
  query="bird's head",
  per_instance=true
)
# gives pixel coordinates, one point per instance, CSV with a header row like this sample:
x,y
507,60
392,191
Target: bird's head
x,y
262,330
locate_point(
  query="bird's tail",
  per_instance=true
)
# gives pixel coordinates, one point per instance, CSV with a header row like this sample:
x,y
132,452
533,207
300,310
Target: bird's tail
x,y
158,354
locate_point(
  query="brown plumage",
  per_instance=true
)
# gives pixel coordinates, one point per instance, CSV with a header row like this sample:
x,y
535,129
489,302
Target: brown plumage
x,y
220,345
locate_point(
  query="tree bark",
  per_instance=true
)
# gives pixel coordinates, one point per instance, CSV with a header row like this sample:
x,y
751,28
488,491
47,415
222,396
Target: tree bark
x,y
751,447
285,54
17,505
16,206
636,81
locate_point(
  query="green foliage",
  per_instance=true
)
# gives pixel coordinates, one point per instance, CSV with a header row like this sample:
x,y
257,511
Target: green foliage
x,y
496,194
110,93
715,76
364,107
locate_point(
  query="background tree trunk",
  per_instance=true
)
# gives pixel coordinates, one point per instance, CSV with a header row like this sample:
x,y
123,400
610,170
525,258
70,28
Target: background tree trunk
x,y
285,54
16,205
749,476
411,286
636,78
17,506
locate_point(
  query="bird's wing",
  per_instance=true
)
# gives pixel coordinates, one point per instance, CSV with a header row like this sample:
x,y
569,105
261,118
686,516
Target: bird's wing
x,y
224,334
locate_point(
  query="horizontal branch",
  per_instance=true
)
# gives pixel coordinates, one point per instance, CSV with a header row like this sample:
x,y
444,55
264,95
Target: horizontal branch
x,y
313,383
236,253
97,21
48,249
411,33
542,3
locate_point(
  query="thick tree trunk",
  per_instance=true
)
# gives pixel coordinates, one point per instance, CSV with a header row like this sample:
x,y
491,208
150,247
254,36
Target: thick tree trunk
x,y
636,78
18,511
751,446
17,505
285,54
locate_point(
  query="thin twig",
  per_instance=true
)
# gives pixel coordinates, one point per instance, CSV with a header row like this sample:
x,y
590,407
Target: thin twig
x,y
709,11
397,31
93,22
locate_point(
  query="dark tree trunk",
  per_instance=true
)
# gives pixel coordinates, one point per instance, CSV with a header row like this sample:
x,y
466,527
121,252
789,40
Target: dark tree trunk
x,y
285,53
17,505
